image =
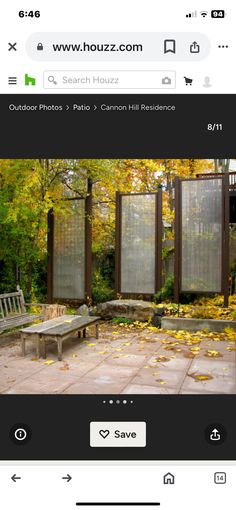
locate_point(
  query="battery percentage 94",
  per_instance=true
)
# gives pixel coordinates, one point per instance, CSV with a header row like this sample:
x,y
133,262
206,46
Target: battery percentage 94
x,y
214,127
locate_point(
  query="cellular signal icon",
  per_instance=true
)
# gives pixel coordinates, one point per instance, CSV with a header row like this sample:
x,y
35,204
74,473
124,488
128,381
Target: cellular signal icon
x,y
203,13
191,14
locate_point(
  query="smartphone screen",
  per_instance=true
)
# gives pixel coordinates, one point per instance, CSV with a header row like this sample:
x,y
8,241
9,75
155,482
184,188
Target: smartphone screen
x,y
117,255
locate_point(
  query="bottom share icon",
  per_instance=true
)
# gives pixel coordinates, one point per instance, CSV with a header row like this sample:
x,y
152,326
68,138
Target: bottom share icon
x,y
220,478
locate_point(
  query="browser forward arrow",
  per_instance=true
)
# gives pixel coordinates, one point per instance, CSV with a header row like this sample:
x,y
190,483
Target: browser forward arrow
x,y
68,478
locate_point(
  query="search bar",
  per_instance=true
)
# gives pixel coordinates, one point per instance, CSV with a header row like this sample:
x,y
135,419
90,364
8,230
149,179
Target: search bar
x,y
109,80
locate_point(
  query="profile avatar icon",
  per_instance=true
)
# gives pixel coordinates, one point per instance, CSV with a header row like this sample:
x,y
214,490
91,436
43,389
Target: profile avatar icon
x,y
207,82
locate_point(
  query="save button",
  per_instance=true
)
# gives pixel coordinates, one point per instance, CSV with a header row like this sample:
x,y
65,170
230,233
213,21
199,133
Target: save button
x,y
118,434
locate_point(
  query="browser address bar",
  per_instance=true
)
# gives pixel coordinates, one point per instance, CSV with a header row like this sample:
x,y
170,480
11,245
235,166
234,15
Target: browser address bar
x,y
118,47
109,80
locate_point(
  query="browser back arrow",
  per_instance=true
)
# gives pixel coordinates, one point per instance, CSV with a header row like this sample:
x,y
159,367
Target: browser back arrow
x,y
14,478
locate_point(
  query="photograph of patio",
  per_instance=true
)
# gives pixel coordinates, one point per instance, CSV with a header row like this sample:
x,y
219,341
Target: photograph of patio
x,y
117,276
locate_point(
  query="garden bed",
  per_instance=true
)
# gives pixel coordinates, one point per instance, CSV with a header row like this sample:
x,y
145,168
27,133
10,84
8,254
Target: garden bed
x,y
204,313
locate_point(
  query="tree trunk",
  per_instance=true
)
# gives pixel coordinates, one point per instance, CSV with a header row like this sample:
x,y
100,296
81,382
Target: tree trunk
x,y
29,279
53,311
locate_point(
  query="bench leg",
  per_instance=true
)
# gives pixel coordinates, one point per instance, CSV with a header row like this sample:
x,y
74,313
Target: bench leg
x,y
38,348
97,331
79,334
44,349
23,346
84,333
59,348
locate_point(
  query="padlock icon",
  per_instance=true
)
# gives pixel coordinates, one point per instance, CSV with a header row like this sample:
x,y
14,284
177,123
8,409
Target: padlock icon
x,y
39,46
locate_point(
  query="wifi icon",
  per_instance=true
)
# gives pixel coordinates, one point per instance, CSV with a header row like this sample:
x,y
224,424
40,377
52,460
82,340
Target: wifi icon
x,y
203,13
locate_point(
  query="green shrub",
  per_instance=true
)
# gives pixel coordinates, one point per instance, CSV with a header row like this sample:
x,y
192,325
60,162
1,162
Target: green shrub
x,y
167,291
101,291
121,320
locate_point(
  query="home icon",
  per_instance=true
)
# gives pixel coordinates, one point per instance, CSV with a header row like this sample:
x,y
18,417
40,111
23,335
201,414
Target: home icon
x,y
168,479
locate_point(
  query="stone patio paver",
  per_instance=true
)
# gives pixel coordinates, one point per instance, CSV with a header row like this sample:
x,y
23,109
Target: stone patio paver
x,y
223,373
121,361
137,389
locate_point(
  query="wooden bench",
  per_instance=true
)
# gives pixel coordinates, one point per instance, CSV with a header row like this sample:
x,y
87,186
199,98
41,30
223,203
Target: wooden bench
x,y
13,311
58,330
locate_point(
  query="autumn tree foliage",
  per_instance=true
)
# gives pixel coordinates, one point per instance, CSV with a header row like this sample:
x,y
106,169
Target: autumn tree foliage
x,y
30,188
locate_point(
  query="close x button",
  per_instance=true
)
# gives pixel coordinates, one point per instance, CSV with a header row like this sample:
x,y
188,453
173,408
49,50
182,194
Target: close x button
x,y
118,434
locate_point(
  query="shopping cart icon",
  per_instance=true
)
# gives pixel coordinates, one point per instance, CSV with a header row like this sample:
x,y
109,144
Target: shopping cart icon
x,y
188,81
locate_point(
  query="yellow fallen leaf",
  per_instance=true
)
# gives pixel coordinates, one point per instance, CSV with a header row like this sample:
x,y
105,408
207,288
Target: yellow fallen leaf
x,y
193,341
91,345
103,352
66,366
68,320
175,349
170,344
231,333
161,381
201,377
49,362
190,355
161,359
74,355
211,353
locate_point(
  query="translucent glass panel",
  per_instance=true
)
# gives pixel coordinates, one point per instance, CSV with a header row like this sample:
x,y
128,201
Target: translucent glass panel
x,y
201,235
69,253
138,243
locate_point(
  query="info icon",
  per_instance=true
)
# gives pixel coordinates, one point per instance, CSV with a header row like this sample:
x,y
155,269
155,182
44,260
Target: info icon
x,y
215,434
20,433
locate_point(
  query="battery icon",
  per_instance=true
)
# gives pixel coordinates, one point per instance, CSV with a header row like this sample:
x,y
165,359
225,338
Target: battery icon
x,y
218,14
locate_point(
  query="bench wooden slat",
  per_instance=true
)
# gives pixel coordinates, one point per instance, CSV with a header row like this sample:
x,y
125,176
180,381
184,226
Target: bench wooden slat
x,y
68,327
14,303
61,325
1,309
39,328
18,321
9,294
9,304
5,307
18,304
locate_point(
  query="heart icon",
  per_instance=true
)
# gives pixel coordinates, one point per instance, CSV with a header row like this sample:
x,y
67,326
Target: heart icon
x,y
104,433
